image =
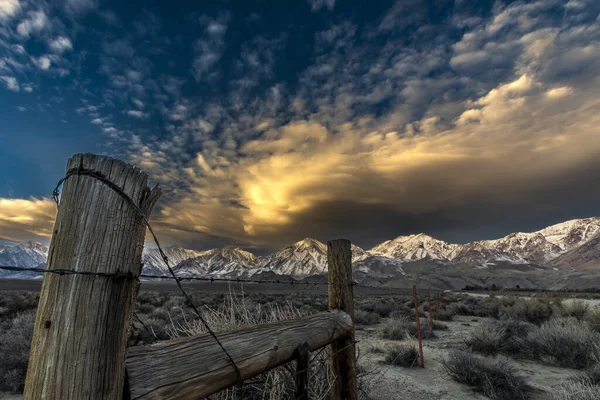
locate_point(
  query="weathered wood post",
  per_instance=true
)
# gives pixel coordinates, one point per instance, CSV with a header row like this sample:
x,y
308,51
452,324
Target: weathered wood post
x,y
302,372
341,296
83,321
416,300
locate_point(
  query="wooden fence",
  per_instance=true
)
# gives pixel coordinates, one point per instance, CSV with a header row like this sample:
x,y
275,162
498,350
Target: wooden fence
x,y
84,318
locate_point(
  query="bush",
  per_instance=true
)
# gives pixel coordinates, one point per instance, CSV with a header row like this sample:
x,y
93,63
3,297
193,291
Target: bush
x,y
402,355
536,311
497,378
577,390
592,374
567,342
366,318
14,351
593,318
495,337
576,308
401,328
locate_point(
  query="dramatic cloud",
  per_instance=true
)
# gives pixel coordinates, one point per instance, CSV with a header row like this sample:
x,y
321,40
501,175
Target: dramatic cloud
x,y
22,219
466,118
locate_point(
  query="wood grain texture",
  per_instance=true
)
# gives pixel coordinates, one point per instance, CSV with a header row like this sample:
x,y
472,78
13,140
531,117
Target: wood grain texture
x,y
341,296
83,322
196,367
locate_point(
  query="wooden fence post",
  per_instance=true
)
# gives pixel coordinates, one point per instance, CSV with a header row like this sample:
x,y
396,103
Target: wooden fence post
x,y
343,361
302,372
416,300
83,321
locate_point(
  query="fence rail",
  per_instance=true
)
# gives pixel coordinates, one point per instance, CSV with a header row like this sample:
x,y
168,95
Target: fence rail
x,y
195,367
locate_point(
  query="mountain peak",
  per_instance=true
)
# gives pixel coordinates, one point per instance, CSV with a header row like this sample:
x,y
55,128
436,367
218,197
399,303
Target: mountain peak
x,y
309,243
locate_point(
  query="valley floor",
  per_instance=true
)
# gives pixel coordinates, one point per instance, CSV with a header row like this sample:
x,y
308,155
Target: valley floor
x,y
386,382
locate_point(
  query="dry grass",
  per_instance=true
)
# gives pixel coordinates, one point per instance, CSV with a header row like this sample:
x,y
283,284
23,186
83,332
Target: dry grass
x,y
403,354
496,378
566,342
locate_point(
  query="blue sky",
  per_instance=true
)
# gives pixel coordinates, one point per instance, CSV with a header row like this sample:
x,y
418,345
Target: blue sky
x,y
266,122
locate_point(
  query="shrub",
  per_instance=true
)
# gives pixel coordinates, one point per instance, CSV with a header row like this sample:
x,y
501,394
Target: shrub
x,y
577,390
401,328
592,374
567,342
495,337
14,351
402,355
534,310
445,315
593,318
487,338
366,318
438,326
497,378
575,308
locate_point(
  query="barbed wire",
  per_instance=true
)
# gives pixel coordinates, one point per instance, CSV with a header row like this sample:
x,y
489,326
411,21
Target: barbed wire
x,y
130,275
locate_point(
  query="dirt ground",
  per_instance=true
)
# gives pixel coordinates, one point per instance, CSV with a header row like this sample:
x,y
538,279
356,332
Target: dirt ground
x,y
386,382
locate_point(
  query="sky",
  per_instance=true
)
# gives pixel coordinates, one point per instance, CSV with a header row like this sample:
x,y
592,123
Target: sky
x,y
265,122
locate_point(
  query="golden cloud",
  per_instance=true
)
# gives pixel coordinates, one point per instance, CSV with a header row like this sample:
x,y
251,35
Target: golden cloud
x,y
519,137
26,219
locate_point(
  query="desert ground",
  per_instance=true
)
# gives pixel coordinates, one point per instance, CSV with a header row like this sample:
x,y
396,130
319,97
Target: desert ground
x,y
479,324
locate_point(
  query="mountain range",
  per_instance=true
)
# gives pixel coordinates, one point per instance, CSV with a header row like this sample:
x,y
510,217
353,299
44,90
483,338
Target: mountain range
x,y
564,250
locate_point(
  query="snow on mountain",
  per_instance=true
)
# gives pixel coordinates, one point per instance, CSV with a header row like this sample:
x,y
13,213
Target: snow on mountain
x,y
584,257
229,261
379,266
26,255
570,244
416,247
546,244
154,265
520,248
303,258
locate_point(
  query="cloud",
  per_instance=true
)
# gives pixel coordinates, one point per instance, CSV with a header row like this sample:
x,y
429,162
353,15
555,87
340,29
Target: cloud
x,y
43,62
60,44
209,49
137,114
8,9
317,5
26,219
36,21
10,82
79,7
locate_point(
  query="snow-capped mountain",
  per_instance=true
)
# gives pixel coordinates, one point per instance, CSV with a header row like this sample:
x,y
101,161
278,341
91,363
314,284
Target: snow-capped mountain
x,y
154,265
26,255
568,245
416,247
228,261
519,248
303,258
584,257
